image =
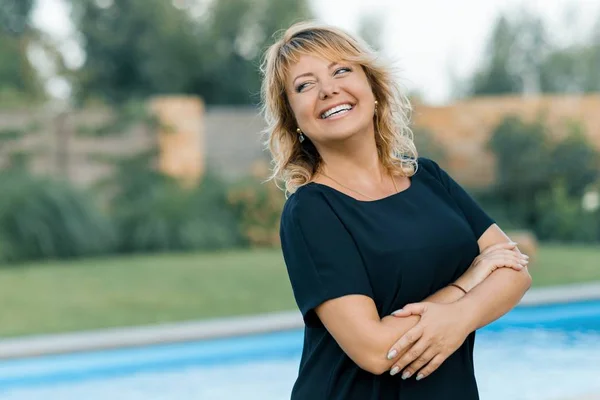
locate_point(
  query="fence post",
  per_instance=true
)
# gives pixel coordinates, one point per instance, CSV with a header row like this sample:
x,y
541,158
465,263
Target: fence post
x,y
180,136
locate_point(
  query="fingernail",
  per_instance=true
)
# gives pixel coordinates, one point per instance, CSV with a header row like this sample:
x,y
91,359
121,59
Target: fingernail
x,y
419,377
513,243
391,354
406,375
394,371
396,312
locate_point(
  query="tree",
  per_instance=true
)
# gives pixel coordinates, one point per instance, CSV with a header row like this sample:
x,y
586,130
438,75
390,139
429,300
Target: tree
x,y
371,30
18,77
575,162
515,53
139,48
521,59
541,181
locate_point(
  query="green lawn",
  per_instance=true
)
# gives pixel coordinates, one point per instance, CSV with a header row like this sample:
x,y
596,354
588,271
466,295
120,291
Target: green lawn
x,y
556,265
79,295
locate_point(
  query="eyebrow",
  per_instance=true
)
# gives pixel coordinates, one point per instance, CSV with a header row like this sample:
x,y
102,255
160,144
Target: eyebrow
x,y
311,74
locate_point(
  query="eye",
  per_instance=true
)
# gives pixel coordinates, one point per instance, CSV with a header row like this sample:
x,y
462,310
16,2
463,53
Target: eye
x,y
301,86
343,69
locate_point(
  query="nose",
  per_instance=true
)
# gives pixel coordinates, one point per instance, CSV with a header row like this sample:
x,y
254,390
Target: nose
x,y
328,89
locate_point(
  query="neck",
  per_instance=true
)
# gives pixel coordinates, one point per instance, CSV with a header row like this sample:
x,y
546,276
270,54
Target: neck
x,y
356,161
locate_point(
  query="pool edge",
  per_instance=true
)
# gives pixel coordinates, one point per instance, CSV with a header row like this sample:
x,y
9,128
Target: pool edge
x,y
32,346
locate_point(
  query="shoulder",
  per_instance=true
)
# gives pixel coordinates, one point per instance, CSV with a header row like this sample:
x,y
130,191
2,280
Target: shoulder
x,y
429,166
307,199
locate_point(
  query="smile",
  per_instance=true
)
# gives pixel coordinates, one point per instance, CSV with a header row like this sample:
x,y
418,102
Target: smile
x,y
337,111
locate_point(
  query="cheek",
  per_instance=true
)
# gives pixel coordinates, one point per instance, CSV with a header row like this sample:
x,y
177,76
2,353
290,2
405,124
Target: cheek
x,y
303,110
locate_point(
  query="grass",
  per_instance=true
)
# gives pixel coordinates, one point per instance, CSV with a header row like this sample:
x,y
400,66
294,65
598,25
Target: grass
x,y
78,295
559,264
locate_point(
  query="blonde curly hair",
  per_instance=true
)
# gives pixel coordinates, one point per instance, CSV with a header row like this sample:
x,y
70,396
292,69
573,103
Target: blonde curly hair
x,y
295,163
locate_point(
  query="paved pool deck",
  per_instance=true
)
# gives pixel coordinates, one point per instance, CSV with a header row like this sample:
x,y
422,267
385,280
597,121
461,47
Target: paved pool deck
x,y
32,346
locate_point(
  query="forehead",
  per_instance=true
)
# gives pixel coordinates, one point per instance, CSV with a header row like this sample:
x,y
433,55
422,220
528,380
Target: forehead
x,y
307,63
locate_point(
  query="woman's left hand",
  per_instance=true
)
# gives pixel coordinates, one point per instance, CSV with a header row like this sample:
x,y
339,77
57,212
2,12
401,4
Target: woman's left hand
x,y
441,330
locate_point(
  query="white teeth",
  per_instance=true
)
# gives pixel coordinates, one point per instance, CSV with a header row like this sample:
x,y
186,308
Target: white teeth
x,y
335,109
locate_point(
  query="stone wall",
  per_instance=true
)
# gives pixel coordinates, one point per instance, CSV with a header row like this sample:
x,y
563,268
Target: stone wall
x,y
228,139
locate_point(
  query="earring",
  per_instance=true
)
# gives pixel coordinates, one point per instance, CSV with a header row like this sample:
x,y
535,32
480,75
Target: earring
x,y
375,107
301,137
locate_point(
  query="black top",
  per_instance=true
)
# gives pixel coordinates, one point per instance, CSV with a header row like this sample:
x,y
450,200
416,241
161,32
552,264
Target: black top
x,y
396,250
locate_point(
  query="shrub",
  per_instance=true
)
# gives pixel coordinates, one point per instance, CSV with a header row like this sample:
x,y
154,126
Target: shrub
x,y
154,212
42,218
258,208
562,218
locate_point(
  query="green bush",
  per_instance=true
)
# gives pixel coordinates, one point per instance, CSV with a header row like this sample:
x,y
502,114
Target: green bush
x,y
156,213
541,180
562,218
258,208
42,218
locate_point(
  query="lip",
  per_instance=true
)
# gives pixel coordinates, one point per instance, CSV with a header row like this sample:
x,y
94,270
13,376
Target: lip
x,y
334,105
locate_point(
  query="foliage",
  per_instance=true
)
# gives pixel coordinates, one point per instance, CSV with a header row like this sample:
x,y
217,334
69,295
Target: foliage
x,y
258,208
521,57
562,217
15,15
41,218
541,180
18,77
140,48
574,161
154,212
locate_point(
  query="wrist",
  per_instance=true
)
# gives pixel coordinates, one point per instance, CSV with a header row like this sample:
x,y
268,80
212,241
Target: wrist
x,y
465,283
467,312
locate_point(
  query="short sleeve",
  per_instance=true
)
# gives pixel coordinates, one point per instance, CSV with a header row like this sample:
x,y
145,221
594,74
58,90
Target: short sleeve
x,y
477,218
320,254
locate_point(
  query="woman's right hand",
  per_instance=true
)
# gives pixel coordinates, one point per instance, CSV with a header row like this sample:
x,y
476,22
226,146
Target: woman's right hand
x,y
502,255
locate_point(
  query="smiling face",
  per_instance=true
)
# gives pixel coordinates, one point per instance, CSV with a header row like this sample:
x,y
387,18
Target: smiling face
x,y
331,101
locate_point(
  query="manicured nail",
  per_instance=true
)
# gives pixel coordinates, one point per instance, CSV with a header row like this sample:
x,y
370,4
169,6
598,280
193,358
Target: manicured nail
x,y
406,375
394,371
396,312
392,353
419,377
512,243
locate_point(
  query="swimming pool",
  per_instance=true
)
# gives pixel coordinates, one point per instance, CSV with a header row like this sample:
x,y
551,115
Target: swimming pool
x,y
533,353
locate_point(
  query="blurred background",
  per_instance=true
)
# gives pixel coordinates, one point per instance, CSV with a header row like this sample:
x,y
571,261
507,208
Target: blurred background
x,y
132,171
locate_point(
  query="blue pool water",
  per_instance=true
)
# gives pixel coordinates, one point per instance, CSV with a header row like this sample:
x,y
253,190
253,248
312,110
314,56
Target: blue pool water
x,y
533,353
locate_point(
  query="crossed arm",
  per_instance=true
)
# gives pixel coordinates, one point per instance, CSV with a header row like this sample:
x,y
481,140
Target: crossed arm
x,y
356,326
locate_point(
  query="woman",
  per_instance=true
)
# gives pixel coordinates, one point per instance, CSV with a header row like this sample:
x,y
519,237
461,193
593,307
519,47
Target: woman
x,y
370,228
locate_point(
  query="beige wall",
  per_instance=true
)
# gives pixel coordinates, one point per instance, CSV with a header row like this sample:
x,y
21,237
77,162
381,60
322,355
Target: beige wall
x,y
229,138
464,128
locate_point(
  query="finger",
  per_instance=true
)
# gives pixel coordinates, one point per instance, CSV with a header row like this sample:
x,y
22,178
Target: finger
x,y
405,341
421,361
504,245
431,366
411,355
411,309
504,253
515,252
510,259
402,313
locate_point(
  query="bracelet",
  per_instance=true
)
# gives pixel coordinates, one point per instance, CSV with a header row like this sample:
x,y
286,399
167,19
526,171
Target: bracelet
x,y
457,286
